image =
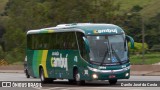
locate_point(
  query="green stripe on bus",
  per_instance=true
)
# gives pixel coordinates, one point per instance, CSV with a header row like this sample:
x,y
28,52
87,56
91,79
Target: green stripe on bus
x,y
36,61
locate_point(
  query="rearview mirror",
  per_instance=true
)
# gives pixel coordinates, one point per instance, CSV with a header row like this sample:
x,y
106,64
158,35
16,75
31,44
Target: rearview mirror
x,y
131,41
86,44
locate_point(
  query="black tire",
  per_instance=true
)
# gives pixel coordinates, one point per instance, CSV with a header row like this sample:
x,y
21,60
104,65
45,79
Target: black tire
x,y
71,81
27,74
43,79
77,78
82,82
112,82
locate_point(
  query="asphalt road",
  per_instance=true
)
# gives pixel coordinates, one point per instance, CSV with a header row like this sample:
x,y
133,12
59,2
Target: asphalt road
x,y
64,85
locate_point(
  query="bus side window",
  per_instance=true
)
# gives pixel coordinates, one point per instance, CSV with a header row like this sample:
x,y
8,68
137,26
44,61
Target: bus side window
x,y
72,41
68,41
81,45
29,41
35,41
53,41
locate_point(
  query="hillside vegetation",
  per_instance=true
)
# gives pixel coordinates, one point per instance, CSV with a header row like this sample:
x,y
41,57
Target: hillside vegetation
x,y
2,5
19,16
150,7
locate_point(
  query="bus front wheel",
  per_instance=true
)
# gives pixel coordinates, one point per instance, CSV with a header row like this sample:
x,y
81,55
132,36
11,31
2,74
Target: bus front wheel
x,y
112,82
43,79
71,81
77,78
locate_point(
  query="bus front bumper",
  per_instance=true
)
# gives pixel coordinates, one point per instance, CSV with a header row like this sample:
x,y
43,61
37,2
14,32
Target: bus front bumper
x,y
109,74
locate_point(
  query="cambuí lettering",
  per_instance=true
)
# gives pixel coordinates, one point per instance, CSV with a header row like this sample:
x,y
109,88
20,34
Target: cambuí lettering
x,y
106,30
58,61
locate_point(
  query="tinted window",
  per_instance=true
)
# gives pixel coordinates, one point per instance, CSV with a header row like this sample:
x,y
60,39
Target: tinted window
x,y
81,43
62,40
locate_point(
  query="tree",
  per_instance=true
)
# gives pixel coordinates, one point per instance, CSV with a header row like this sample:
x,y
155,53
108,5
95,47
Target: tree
x,y
69,11
104,11
2,32
24,15
132,23
152,31
133,26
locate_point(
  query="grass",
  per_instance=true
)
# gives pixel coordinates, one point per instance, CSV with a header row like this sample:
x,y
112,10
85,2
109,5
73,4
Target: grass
x,y
150,7
2,5
128,4
150,58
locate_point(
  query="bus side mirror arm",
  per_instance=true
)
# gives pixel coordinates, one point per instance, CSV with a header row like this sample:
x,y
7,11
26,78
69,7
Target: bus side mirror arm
x,y
86,44
131,40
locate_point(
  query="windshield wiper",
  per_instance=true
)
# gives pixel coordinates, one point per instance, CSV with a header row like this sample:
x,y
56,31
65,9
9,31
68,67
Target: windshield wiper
x,y
116,55
106,52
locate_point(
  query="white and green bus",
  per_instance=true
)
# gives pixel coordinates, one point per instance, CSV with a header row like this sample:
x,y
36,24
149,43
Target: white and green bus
x,y
78,52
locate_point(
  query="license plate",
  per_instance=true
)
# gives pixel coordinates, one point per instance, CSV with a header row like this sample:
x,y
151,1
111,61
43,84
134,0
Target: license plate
x,y
112,76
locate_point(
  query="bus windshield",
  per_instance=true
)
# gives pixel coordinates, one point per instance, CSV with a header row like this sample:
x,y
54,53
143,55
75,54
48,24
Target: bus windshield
x,y
108,50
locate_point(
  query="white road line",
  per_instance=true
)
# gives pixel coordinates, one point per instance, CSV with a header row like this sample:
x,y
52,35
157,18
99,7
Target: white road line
x,y
89,88
48,88
120,88
66,88
104,88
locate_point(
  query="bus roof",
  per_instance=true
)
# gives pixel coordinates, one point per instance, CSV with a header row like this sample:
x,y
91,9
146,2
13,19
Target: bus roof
x,y
86,28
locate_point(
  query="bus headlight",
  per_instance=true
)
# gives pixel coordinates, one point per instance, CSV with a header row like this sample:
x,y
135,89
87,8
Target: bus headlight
x,y
127,74
95,76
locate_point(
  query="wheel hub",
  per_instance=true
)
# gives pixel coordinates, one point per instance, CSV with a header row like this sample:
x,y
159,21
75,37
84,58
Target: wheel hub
x,y
77,77
42,77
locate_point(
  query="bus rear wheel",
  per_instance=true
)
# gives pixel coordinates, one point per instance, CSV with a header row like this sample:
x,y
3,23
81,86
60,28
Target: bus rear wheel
x,y
112,82
27,74
43,79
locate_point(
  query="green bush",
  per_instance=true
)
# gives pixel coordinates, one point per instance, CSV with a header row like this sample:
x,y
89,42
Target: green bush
x,y
1,53
16,55
137,48
155,48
